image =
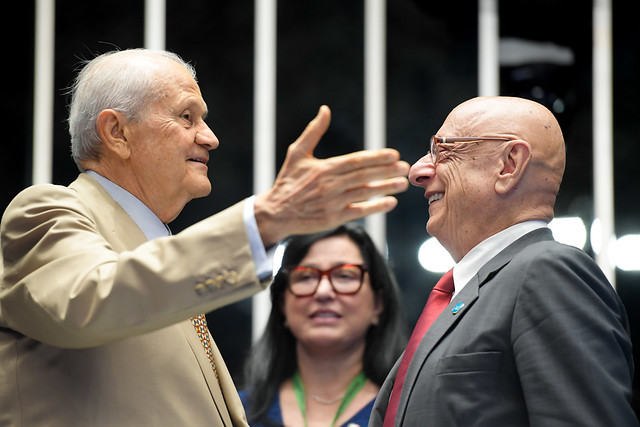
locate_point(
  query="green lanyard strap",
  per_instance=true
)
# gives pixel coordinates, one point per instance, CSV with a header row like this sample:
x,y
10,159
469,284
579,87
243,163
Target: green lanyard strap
x,y
354,387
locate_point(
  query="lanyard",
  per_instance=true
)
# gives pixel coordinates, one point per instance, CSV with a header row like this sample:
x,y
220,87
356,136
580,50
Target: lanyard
x,y
354,387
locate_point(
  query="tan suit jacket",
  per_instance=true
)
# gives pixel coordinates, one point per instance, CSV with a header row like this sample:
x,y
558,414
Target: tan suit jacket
x,y
94,319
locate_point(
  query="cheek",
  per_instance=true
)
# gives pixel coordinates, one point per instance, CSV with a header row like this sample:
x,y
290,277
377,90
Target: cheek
x,y
365,308
150,150
291,306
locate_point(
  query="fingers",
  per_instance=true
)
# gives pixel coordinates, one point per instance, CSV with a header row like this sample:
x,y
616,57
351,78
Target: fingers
x,y
369,207
335,195
363,159
309,138
313,198
312,194
366,176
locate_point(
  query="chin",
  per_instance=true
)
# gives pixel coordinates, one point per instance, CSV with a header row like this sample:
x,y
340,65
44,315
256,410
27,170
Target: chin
x,y
204,193
431,228
202,190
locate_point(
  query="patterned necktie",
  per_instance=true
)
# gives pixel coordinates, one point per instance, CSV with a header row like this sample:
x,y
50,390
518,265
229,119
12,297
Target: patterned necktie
x,y
438,299
200,323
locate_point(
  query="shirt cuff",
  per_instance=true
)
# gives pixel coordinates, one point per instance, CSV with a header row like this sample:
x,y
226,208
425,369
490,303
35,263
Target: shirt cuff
x,y
262,259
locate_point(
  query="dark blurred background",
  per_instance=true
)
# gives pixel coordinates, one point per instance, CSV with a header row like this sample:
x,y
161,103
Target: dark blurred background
x,y
432,56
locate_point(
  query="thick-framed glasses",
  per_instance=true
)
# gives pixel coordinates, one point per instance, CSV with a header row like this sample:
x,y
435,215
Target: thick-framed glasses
x,y
345,279
434,148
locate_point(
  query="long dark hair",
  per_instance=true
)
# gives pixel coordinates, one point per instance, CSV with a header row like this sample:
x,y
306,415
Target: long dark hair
x,y
273,357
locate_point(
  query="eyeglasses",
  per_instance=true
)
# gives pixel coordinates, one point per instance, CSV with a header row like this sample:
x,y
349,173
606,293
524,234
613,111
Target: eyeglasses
x,y
437,140
345,279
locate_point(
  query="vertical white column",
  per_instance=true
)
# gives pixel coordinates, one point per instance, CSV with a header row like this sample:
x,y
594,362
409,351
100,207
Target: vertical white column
x,y
375,98
42,159
603,133
155,17
264,126
488,48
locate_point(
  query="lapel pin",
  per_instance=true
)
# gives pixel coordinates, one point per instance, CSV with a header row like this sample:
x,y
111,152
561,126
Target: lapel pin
x,y
456,308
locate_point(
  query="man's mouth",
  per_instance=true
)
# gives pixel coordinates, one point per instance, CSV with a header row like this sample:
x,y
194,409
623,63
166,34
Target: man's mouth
x,y
199,160
434,197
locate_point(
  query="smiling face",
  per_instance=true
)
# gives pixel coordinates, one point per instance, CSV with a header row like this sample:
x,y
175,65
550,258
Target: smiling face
x,y
326,321
169,146
478,189
459,190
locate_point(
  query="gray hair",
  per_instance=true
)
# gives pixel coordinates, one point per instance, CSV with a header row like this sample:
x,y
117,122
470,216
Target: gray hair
x,y
125,81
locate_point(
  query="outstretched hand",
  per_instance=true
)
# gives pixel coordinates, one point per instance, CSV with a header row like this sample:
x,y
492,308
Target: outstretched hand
x,y
311,194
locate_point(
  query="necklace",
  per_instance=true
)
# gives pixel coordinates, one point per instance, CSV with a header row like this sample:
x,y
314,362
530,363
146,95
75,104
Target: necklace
x,y
325,402
354,387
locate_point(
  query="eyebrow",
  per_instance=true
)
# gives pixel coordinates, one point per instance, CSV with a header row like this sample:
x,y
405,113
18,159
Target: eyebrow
x,y
195,104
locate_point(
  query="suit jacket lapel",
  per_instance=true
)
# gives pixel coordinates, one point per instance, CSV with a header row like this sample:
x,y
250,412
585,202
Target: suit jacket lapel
x,y
123,234
116,226
436,332
207,371
449,317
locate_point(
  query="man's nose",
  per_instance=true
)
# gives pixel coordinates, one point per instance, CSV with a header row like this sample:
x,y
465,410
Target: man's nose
x,y
422,171
206,137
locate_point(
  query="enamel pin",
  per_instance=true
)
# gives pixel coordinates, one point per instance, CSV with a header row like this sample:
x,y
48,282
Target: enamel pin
x,y
456,308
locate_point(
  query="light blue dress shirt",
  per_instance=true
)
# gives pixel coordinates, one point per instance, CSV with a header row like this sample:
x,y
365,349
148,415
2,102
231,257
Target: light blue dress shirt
x,y
153,228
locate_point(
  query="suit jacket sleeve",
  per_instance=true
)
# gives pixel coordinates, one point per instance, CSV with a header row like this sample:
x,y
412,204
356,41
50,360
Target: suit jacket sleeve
x,y
78,272
570,342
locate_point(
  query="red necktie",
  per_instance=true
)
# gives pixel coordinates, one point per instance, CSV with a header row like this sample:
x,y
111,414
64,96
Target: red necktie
x,y
438,299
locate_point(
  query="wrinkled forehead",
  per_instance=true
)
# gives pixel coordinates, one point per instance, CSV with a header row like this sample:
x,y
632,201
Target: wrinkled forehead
x,y
488,116
515,118
509,116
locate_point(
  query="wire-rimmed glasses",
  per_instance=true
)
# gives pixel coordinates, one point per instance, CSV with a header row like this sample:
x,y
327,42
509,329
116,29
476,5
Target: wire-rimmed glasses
x,y
437,140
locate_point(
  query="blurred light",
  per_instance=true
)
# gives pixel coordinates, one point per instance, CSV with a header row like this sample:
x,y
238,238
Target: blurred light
x,y
516,52
596,236
434,257
537,92
570,231
626,252
558,106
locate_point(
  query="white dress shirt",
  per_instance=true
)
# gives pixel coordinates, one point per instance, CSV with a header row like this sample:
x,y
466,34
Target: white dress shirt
x,y
482,253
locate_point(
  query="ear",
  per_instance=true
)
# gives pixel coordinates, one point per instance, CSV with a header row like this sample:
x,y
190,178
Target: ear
x,y
111,130
514,164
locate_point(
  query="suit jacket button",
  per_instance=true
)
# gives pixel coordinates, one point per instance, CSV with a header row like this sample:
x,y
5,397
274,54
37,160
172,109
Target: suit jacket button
x,y
219,280
232,278
200,288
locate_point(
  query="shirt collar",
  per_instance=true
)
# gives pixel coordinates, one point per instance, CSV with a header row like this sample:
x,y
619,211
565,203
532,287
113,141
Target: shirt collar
x,y
473,261
144,217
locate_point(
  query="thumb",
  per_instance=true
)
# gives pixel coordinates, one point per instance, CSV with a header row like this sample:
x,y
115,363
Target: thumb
x,y
310,137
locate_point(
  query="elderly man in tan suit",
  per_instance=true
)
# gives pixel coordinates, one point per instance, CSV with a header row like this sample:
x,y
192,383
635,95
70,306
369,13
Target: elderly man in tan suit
x,y
100,307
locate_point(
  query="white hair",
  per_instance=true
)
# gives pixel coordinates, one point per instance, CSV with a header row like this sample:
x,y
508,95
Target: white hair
x,y
126,81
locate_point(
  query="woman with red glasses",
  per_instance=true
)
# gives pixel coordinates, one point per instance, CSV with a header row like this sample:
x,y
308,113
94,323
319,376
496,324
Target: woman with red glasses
x,y
334,332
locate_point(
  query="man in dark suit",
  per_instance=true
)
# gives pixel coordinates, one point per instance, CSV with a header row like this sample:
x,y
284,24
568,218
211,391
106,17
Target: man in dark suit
x,y
534,333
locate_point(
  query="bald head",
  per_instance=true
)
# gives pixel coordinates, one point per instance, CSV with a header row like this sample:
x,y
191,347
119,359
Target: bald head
x,y
514,117
518,119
